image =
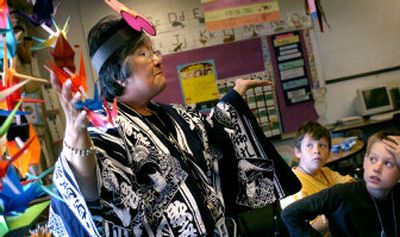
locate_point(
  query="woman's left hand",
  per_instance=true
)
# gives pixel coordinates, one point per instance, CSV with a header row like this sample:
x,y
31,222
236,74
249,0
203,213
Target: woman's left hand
x,y
242,85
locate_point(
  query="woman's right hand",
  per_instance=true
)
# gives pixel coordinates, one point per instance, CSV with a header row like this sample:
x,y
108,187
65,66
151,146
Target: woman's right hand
x,y
77,137
76,121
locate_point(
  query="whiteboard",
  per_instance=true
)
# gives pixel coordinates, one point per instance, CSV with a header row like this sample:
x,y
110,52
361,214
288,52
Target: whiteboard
x,y
364,36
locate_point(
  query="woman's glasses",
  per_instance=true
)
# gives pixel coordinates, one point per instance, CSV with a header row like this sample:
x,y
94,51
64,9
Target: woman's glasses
x,y
148,54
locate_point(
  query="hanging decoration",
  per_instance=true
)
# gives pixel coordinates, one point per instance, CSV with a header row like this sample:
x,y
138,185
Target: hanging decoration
x,y
314,8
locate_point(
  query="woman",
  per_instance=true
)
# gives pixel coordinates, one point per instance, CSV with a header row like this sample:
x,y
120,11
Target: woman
x,y
156,171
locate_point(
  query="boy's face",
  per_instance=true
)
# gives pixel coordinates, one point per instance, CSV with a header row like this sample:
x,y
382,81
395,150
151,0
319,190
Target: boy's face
x,y
380,169
313,154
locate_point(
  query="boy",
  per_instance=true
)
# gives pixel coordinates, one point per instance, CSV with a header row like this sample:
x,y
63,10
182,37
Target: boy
x,y
313,144
364,208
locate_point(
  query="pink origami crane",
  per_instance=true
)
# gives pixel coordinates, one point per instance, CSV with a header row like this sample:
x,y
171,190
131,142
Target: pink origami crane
x,y
3,14
102,121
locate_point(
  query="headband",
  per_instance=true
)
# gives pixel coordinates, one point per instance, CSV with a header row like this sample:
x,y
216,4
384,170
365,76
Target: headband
x,y
110,46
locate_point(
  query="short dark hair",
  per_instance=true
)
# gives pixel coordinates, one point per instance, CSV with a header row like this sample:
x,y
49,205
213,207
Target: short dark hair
x,y
115,68
314,130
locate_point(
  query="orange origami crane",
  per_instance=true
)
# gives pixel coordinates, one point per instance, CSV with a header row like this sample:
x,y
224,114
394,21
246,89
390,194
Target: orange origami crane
x,y
78,80
31,156
10,85
63,54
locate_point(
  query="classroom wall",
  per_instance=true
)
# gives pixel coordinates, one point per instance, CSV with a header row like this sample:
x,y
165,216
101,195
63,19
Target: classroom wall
x,y
339,95
363,37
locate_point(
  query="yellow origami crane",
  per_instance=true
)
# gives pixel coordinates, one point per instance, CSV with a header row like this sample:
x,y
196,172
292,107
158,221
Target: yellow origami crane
x,y
53,35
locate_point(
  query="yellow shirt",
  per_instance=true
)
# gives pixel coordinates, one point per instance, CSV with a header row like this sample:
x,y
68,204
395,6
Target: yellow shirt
x,y
324,178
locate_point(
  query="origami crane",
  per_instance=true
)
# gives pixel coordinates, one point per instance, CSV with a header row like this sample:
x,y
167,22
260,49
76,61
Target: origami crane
x,y
100,120
31,155
3,131
3,14
53,35
7,123
46,188
42,13
134,19
15,197
10,87
10,42
78,80
63,54
91,104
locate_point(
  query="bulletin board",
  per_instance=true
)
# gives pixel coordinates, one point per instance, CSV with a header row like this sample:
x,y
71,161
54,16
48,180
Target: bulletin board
x,y
230,60
292,79
291,70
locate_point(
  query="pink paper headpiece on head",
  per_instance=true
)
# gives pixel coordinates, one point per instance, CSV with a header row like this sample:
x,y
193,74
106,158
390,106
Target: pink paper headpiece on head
x,y
134,20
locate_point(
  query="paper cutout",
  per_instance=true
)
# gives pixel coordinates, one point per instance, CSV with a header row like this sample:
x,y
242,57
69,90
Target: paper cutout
x,y
134,19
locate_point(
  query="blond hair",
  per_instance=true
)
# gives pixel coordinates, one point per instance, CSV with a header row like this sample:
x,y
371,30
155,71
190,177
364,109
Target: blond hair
x,y
380,136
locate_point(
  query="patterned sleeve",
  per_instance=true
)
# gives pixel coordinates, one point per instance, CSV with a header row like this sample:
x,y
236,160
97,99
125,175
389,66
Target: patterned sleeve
x,y
113,176
262,175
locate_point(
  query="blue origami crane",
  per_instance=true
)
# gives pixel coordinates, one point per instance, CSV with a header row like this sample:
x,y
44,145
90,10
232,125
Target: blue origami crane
x,y
11,41
92,104
14,198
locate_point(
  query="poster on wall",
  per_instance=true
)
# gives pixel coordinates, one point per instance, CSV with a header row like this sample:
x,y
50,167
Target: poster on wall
x,y
290,67
198,82
222,14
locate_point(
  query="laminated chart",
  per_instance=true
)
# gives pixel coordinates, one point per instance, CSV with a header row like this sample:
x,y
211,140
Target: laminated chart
x,y
261,100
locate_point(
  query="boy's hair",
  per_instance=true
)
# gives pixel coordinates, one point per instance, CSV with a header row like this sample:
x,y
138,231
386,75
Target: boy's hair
x,y
314,130
379,136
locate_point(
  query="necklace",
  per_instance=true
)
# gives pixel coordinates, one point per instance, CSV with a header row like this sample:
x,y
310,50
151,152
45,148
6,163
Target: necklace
x,y
383,232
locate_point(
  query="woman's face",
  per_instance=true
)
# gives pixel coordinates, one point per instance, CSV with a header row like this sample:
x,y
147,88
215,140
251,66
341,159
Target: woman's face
x,y
147,79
